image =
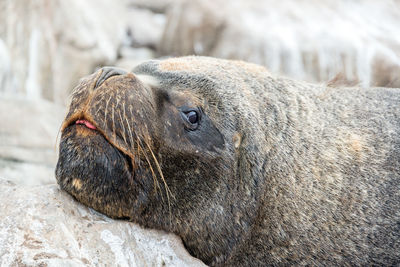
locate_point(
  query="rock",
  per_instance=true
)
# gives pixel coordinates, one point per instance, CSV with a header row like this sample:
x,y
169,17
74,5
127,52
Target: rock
x,y
6,81
309,40
131,57
144,28
49,45
28,135
43,226
26,173
156,6
194,27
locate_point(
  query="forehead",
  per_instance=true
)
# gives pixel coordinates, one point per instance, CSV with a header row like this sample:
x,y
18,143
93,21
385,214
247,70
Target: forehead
x,y
185,75
187,97
177,93
207,78
202,71
194,65
175,65
179,79
207,65
181,69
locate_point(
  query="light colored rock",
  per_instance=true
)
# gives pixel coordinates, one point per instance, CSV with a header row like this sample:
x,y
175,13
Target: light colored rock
x,y
311,40
42,226
132,57
46,46
6,82
26,173
157,6
194,27
28,137
49,45
137,53
144,27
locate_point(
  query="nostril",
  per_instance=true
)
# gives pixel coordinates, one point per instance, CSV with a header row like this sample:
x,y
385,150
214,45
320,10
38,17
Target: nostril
x,y
108,72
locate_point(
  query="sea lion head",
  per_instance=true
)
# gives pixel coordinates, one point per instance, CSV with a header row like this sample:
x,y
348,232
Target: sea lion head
x,y
165,146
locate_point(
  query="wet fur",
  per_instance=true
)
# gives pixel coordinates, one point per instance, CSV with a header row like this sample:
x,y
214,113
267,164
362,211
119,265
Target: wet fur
x,y
304,174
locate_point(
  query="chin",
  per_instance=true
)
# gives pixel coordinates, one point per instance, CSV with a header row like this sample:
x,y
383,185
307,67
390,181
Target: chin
x,y
95,172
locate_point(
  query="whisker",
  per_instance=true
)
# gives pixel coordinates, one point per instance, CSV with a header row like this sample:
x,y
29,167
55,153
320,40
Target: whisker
x,y
106,111
130,135
57,137
99,101
156,185
123,127
167,190
113,130
158,167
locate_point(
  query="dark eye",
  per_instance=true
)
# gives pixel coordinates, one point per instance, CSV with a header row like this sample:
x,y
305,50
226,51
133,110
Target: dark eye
x,y
192,117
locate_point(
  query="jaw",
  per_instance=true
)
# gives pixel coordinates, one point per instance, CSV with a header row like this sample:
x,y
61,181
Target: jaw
x,y
95,172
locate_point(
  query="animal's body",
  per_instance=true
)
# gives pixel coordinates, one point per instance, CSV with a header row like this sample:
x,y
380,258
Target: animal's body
x,y
248,168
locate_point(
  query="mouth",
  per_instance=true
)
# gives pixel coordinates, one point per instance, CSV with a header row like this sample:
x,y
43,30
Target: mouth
x,y
84,128
89,125
82,120
86,123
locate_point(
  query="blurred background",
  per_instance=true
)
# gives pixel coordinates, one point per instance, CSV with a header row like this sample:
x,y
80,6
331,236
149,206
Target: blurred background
x,y
46,46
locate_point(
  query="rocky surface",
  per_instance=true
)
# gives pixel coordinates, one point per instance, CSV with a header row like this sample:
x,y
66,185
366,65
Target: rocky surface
x,y
42,226
308,40
156,6
28,135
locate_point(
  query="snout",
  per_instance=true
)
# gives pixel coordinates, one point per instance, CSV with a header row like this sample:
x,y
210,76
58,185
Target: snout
x,y
104,138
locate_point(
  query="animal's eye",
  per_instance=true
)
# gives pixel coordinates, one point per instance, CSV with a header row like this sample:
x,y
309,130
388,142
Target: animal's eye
x,y
192,116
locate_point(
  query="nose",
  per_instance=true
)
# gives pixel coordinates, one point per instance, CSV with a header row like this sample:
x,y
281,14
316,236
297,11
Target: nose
x,y
108,72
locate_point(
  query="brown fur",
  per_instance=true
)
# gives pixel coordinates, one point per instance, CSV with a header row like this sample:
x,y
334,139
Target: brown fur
x,y
274,174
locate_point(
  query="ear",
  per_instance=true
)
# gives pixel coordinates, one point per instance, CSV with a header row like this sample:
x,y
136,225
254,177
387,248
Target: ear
x,y
237,140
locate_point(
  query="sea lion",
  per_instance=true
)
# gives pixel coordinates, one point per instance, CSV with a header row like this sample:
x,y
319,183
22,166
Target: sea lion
x,y
247,167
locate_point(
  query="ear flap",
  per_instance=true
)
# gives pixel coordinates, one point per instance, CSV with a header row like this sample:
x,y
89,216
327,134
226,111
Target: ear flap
x,y
237,140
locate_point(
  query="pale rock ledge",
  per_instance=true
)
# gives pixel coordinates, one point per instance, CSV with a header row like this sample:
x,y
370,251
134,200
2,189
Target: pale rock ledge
x,y
43,226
